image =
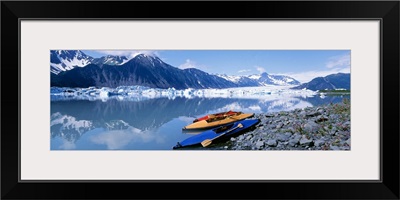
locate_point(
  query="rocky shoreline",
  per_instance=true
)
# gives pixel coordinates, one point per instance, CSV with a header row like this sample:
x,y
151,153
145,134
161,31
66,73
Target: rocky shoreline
x,y
324,127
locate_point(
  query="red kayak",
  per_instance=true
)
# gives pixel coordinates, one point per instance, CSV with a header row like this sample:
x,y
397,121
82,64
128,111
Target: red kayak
x,y
220,115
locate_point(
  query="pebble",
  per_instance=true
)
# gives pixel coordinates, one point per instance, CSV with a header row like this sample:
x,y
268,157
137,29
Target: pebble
x,y
282,137
305,142
318,143
271,143
293,142
313,128
259,144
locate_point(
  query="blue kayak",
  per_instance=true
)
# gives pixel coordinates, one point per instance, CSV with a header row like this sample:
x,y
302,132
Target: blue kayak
x,y
218,134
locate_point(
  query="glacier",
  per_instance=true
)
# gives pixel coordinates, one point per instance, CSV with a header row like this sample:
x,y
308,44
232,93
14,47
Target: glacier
x,y
140,93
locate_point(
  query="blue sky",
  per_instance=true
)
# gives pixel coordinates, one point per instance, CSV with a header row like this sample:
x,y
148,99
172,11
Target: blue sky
x,y
302,65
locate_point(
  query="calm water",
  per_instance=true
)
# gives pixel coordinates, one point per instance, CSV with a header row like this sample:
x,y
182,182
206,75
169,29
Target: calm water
x,y
154,124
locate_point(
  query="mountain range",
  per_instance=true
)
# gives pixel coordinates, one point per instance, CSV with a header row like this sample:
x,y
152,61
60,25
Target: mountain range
x,y
73,68
260,80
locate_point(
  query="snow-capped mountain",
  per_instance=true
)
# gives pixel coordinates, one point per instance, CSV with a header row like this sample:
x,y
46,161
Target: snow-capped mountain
x,y
260,80
110,60
330,82
63,60
241,81
269,79
143,70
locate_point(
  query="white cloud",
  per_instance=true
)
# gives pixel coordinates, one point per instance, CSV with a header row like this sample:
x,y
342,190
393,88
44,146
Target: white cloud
x,y
335,64
188,64
260,69
304,77
192,64
128,53
339,61
151,53
244,70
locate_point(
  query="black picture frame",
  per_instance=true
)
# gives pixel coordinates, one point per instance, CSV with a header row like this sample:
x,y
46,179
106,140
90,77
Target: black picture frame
x,y
386,11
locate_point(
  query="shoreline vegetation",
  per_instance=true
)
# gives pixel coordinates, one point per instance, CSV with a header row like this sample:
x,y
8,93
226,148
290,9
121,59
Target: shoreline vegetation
x,y
325,127
334,92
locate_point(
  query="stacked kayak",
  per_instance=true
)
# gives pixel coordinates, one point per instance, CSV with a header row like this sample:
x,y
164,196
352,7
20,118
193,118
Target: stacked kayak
x,y
217,134
217,121
220,115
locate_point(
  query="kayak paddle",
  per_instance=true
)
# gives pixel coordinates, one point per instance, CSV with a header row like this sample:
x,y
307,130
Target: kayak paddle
x,y
209,141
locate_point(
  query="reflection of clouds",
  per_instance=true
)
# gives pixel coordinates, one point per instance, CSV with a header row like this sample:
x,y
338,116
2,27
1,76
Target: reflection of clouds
x,y
287,106
67,145
117,139
237,107
267,106
255,108
283,103
186,119
233,106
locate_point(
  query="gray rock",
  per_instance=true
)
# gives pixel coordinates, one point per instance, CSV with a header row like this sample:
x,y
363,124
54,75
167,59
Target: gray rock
x,y
333,131
346,123
321,118
294,142
334,147
310,127
305,142
272,143
249,137
233,139
348,142
264,133
282,137
297,136
288,134
318,143
271,126
313,114
260,144
241,137
345,148
291,129
334,116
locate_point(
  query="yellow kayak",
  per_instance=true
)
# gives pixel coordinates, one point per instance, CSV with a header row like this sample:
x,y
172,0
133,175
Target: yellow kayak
x,y
210,123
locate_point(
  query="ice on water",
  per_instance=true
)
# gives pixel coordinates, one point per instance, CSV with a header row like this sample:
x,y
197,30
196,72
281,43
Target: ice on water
x,y
138,93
